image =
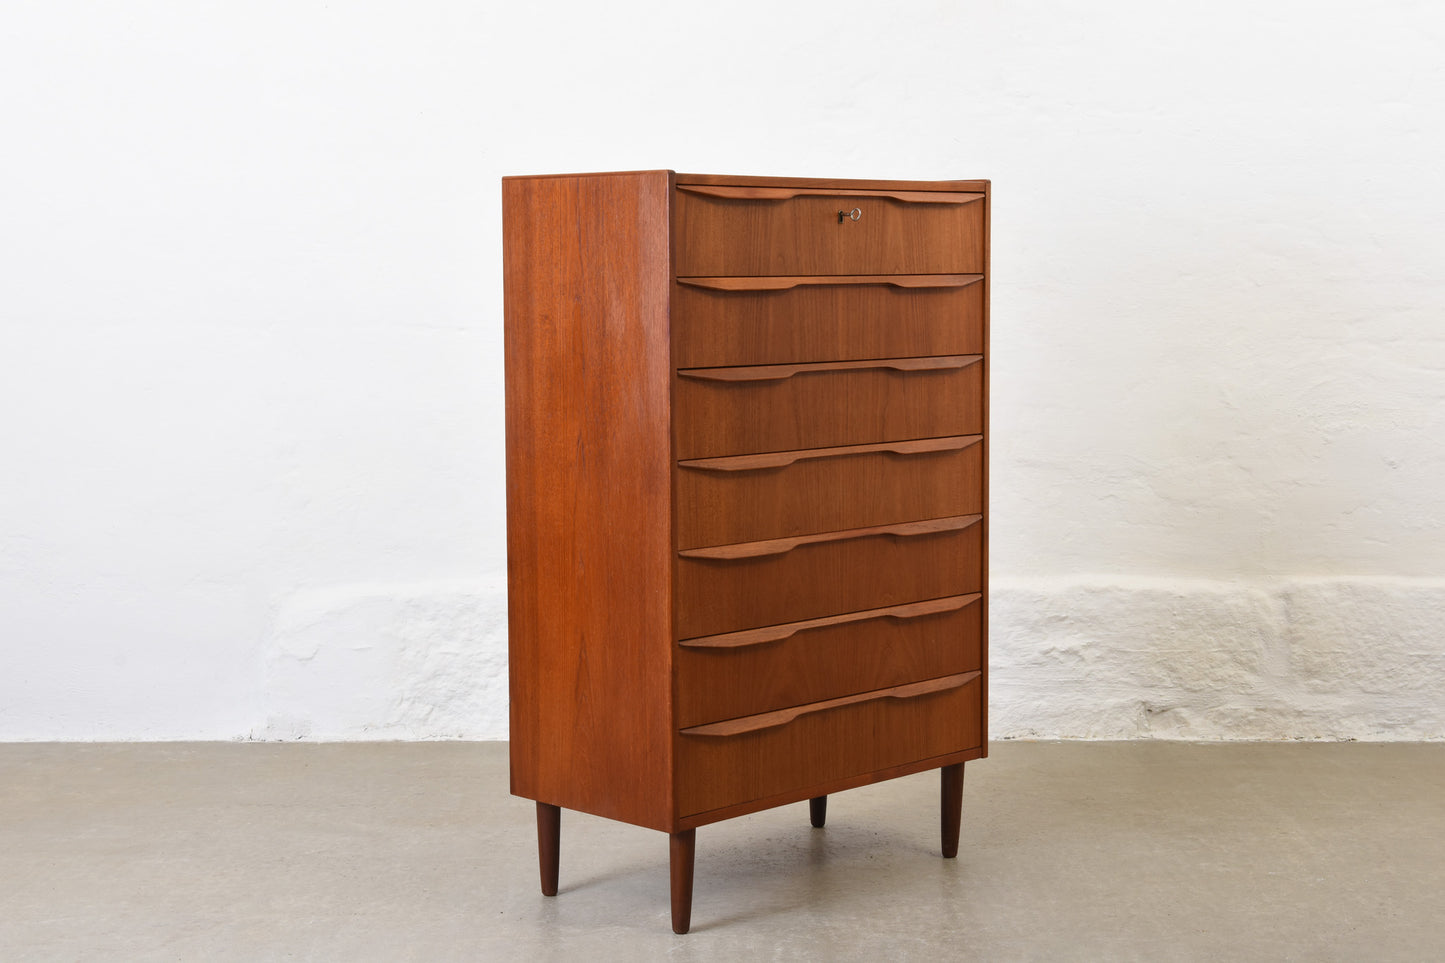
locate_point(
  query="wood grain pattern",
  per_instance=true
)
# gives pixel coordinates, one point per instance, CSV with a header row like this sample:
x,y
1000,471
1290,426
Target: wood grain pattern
x,y
825,408
720,501
836,319
826,577
589,542
803,235
833,743
827,658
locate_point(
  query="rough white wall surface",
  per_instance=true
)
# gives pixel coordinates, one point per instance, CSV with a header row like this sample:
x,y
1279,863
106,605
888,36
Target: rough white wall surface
x,y
388,662
1146,658
251,473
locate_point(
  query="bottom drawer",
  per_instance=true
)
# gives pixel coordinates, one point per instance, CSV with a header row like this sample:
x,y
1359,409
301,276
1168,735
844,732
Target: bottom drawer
x,y
754,757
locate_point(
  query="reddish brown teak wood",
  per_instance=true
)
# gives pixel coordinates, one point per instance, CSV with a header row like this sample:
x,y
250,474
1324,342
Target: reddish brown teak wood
x,y
747,510
751,321
588,370
744,586
822,231
748,409
759,670
754,497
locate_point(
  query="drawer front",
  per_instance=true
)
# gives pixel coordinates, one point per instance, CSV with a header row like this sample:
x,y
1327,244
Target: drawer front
x,y
741,321
730,231
755,584
745,673
745,498
761,756
766,408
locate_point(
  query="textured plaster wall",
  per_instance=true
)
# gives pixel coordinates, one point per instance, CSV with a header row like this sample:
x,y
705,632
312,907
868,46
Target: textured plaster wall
x,y
250,353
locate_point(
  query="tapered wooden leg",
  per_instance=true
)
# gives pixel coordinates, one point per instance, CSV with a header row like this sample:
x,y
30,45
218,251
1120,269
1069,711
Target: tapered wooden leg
x,y
952,807
680,851
818,810
549,844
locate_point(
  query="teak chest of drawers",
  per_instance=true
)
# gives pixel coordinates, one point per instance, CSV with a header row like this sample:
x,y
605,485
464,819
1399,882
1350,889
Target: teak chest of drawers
x,y
747,489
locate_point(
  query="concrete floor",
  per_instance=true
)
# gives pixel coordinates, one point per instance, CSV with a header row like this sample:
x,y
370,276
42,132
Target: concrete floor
x,y
389,851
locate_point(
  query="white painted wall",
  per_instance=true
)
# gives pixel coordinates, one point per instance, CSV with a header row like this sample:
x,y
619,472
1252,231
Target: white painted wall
x,y
250,368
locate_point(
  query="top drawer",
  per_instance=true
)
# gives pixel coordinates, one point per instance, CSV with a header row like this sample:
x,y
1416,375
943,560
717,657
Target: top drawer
x,y
759,231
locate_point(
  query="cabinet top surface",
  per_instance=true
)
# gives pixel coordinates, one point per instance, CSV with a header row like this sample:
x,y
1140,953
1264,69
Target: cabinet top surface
x,y
737,180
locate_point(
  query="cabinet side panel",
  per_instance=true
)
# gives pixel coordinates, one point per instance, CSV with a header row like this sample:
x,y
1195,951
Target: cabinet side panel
x,y
587,276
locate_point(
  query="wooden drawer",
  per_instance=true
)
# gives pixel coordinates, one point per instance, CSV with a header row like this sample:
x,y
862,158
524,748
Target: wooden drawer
x,y
747,409
794,230
753,584
754,757
742,498
751,321
758,670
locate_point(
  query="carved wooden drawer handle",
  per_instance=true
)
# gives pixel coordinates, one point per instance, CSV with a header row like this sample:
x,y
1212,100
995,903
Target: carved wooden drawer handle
x,y
781,633
771,720
782,459
781,372
788,193
923,281
782,546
